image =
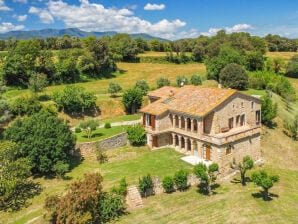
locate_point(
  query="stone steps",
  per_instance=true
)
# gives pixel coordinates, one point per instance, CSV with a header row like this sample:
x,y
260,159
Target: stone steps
x,y
133,197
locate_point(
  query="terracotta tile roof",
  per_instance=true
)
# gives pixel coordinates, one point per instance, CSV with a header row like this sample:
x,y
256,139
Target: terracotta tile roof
x,y
189,99
163,92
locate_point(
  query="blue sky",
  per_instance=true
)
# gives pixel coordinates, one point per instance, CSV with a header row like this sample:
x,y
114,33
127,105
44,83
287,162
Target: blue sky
x,y
170,19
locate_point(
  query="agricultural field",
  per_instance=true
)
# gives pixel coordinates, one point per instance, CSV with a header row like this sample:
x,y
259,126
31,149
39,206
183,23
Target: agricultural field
x,y
284,55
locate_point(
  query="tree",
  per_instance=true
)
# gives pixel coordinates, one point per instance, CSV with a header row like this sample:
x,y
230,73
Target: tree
x,y
74,99
180,180
262,179
198,52
246,164
136,135
132,100
181,80
25,106
89,126
168,184
234,76
268,110
291,128
15,188
44,139
37,82
278,64
207,175
196,80
162,81
5,114
145,185
292,67
254,61
114,88
142,85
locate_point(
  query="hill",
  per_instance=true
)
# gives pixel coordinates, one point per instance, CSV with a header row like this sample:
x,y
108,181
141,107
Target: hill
x,y
45,33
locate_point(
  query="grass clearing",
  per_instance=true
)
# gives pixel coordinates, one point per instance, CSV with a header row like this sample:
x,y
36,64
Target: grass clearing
x,y
284,55
100,133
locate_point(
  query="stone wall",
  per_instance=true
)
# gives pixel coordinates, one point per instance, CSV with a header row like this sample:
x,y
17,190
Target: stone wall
x,y
86,148
113,142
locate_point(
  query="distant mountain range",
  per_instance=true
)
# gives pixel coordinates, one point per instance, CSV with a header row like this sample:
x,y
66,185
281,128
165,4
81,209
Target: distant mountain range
x,y
45,33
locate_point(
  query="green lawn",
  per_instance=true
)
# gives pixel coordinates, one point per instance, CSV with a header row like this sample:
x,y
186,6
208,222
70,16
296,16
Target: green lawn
x,y
129,162
100,133
130,117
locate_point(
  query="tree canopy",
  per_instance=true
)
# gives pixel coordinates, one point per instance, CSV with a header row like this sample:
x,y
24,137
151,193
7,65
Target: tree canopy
x,y
234,76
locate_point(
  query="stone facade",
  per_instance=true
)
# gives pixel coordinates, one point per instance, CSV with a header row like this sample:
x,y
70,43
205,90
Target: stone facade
x,y
230,129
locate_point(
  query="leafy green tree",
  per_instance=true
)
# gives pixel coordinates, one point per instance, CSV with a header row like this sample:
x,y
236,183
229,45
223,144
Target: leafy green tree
x,y
227,55
142,85
268,110
180,180
196,80
234,76
181,80
5,114
254,61
60,168
207,175
146,185
132,100
44,139
246,164
15,188
136,135
168,184
292,67
278,64
198,53
162,81
74,99
89,126
114,88
37,82
262,179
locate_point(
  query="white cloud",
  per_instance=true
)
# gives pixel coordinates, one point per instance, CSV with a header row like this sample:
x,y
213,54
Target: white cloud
x,y
3,7
6,27
149,6
95,17
235,28
20,1
21,18
43,14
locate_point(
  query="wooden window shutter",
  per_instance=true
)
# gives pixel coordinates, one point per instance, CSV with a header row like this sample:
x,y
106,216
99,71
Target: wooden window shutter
x,y
144,119
154,141
153,122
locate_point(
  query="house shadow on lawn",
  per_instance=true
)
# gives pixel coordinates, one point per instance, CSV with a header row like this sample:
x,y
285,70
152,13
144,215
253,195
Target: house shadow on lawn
x,y
261,194
202,189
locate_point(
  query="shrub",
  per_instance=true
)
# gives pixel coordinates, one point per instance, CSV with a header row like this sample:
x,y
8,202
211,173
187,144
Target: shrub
x,y
136,135
145,185
74,99
60,168
207,175
291,128
168,184
181,80
132,100
89,126
107,125
180,180
268,110
122,188
162,81
196,80
101,156
234,76
143,86
114,88
292,67
78,130
25,106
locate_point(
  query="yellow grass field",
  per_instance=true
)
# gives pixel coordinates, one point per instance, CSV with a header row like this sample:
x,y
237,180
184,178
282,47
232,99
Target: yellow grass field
x,y
284,55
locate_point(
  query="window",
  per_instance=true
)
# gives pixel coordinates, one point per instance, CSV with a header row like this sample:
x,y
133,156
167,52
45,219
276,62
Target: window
x,y
237,120
148,120
242,120
229,150
252,104
233,105
231,122
258,116
242,104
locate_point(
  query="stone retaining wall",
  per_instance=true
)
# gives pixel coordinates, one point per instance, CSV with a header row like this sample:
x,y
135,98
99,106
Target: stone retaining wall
x,y
86,148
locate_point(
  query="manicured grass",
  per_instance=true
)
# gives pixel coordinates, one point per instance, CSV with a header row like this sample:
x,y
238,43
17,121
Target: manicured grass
x,y
255,92
100,133
130,117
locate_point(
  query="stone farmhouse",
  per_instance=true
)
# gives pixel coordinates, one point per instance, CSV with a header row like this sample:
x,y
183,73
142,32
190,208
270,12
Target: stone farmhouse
x,y
211,124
